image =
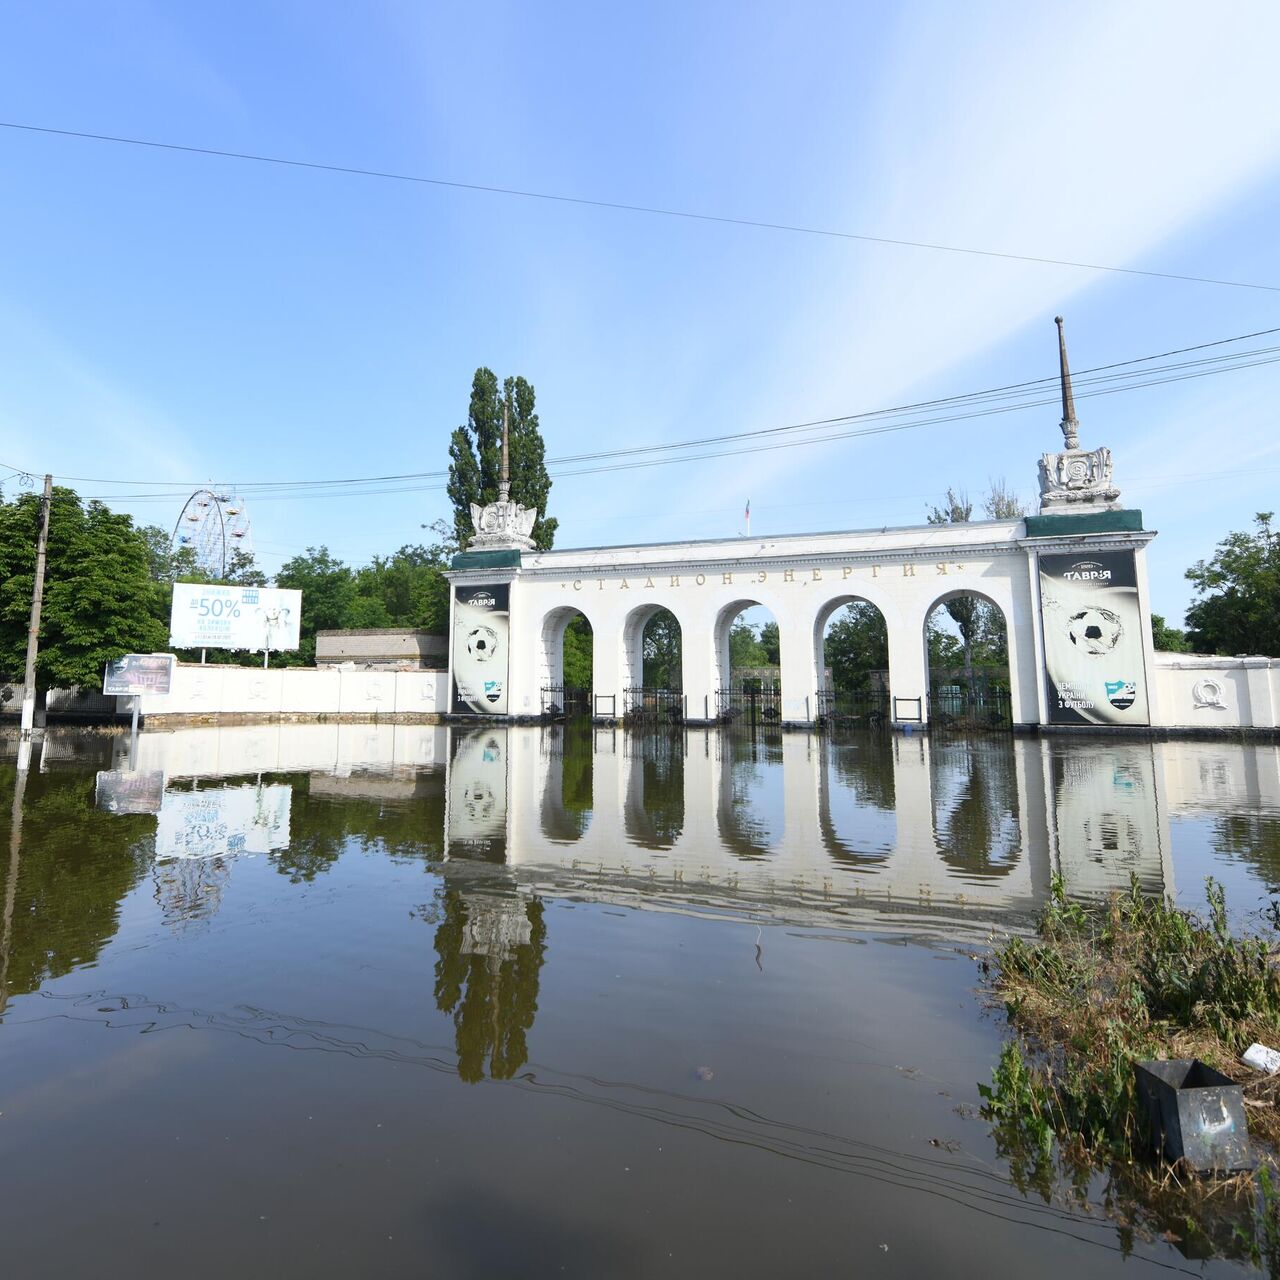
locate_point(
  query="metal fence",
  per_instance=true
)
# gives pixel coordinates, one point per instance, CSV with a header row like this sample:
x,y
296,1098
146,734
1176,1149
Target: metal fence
x,y
955,707
653,706
847,709
565,702
749,706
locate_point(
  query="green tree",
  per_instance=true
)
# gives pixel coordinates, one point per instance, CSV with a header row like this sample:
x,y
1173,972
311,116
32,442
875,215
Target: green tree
x,y
1238,610
771,643
745,649
475,455
579,647
661,648
1001,503
99,597
856,644
1167,639
980,623
328,597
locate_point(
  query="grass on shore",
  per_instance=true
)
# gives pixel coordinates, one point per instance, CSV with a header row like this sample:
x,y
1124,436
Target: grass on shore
x,y
1103,986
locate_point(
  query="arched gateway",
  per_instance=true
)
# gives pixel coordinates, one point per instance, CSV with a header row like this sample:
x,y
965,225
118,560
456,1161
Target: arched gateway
x,y
1071,583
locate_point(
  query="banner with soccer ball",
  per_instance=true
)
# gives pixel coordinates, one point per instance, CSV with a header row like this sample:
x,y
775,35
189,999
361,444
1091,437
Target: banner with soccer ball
x,y
1093,653
481,623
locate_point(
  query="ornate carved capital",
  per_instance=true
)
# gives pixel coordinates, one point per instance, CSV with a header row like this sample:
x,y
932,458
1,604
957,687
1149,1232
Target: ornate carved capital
x,y
1077,476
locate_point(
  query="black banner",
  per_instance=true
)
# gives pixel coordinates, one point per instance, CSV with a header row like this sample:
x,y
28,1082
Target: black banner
x,y
481,617
1093,651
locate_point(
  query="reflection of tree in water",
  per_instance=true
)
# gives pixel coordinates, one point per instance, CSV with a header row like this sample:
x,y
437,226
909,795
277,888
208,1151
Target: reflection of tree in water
x,y
75,865
1253,839
490,945
746,831
654,813
403,817
975,807
567,805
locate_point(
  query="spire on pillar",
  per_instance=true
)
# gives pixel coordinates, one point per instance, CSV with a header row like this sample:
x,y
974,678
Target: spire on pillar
x,y
503,525
1070,427
1075,477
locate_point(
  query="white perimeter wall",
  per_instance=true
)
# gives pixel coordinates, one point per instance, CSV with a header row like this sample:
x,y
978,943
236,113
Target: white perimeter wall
x,y
1217,693
209,690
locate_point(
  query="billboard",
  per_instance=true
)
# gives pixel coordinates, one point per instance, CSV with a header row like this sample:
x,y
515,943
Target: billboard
x,y
1093,653
207,616
139,673
479,651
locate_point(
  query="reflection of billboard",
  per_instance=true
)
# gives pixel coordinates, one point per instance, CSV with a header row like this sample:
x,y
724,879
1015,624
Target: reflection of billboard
x,y
476,819
119,792
1093,639
139,673
207,616
218,821
479,649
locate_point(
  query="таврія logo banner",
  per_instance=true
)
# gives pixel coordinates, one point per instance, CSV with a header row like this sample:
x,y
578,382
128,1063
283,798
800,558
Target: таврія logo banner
x,y
479,649
1093,639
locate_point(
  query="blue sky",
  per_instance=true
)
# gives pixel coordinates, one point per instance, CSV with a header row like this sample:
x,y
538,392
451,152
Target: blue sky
x,y
169,317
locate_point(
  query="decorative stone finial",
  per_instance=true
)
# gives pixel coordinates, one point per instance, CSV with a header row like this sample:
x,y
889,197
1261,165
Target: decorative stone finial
x,y
503,525
1076,476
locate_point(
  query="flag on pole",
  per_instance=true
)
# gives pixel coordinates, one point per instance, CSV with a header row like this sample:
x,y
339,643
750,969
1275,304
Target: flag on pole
x,y
748,517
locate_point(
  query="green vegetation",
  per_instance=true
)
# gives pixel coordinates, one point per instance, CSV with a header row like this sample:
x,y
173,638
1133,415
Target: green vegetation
x,y
475,455
663,662
1238,610
100,598
1166,638
1106,985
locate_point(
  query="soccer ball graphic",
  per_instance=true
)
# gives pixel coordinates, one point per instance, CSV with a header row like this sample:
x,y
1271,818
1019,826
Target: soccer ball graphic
x,y
1095,630
482,643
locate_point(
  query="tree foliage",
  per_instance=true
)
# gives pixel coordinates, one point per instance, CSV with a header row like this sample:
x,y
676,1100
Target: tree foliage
x,y
661,646
1166,638
980,623
1238,609
475,455
100,599
579,646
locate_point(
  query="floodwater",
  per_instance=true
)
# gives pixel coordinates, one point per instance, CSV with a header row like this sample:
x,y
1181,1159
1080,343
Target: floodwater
x,y
364,1000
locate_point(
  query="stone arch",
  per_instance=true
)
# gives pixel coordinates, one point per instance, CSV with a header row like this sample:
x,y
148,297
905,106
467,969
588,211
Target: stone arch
x,y
632,639
1001,683
551,648
823,617
722,662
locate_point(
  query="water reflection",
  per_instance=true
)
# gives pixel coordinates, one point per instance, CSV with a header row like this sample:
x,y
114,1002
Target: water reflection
x,y
797,827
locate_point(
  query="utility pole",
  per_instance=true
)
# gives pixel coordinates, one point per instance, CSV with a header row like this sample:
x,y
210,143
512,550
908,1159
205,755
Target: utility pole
x,y
33,633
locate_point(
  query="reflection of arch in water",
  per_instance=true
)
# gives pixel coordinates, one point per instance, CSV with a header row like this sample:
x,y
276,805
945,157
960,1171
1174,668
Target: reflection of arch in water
x,y
976,822
653,811
751,814
857,809
567,801
551,657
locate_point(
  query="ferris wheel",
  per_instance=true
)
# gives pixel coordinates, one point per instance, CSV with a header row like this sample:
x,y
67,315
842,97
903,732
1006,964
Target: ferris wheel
x,y
214,524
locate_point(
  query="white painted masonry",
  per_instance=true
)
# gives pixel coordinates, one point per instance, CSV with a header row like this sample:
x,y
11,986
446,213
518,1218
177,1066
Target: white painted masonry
x,y
802,579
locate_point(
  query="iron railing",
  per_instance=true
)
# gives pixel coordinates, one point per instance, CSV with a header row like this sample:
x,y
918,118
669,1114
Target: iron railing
x,y
853,709
749,706
653,706
955,707
565,702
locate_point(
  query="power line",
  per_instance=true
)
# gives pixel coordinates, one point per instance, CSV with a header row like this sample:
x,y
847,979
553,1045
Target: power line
x,y
622,207
1084,379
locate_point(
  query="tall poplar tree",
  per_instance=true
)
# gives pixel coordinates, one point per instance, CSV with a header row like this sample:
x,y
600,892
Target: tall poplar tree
x,y
475,455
